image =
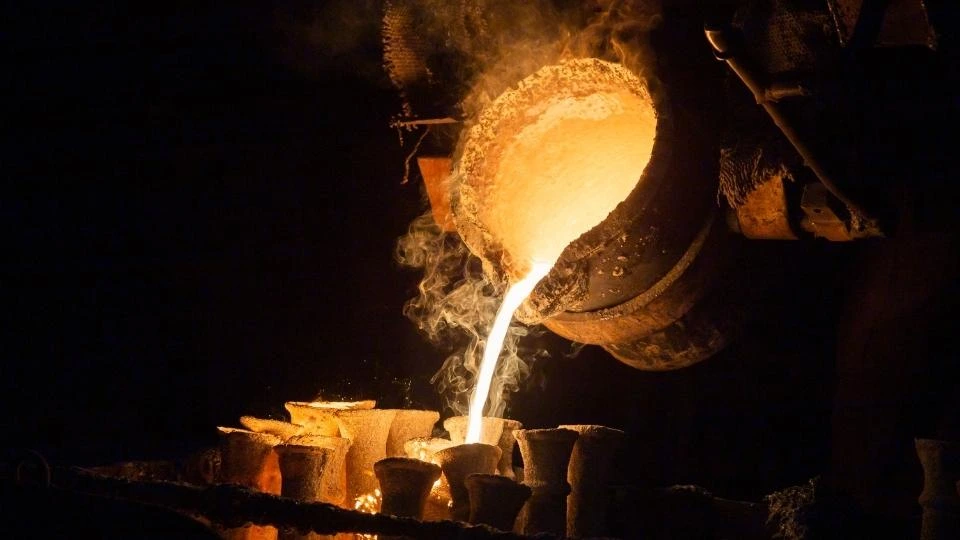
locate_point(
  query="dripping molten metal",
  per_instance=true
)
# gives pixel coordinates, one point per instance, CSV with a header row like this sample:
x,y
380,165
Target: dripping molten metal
x,y
516,294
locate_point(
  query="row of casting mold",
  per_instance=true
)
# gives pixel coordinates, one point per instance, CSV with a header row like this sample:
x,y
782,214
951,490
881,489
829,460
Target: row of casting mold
x,y
326,452
312,463
571,459
568,470
319,431
376,433
372,435
478,494
303,467
406,485
493,499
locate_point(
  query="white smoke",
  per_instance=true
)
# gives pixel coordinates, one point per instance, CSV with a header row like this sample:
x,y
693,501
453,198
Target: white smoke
x,y
456,305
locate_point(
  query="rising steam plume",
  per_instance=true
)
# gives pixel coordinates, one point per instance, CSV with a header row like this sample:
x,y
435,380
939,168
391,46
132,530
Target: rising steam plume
x,y
456,305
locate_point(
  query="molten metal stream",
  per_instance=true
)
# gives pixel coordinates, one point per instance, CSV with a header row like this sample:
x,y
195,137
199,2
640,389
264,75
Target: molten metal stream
x,y
546,163
516,294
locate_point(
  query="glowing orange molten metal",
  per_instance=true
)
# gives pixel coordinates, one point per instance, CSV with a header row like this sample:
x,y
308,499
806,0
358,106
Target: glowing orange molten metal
x,y
567,170
538,172
515,296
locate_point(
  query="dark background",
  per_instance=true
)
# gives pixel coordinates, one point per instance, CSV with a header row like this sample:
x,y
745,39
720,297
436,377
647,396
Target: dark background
x,y
200,217
199,213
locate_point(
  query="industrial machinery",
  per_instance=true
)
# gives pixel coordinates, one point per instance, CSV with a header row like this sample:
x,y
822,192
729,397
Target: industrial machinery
x,y
778,123
781,120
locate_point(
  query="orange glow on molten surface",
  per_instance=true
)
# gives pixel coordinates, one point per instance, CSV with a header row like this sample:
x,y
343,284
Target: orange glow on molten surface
x,y
567,169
